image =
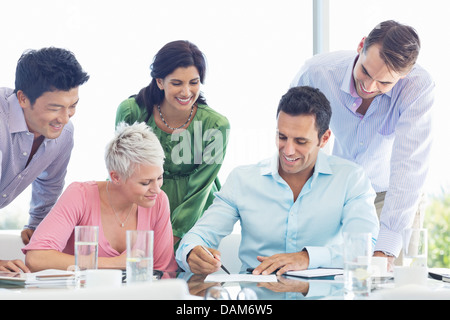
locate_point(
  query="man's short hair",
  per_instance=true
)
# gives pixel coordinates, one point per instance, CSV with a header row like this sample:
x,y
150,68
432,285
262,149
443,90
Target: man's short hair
x,y
399,45
309,101
48,69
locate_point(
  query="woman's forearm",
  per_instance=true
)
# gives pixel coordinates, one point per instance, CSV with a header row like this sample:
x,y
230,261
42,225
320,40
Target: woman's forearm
x,y
37,260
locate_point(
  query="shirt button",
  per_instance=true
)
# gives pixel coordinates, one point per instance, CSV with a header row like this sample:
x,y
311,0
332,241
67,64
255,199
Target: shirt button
x,y
25,153
4,196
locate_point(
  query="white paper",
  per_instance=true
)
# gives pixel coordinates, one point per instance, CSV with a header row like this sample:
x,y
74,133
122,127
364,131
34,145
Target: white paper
x,y
31,277
319,272
240,278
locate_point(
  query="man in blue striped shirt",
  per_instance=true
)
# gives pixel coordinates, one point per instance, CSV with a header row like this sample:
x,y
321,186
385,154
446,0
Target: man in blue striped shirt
x,y
36,136
381,101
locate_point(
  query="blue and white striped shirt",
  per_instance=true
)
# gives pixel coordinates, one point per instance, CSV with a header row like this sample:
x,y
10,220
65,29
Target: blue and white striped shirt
x,y
391,141
46,171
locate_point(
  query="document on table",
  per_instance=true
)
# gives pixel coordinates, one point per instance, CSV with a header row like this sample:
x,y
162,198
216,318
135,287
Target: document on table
x,y
50,277
240,278
312,273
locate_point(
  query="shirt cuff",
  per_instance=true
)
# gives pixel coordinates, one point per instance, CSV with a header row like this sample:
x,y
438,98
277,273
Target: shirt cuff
x,y
33,223
389,241
318,257
181,255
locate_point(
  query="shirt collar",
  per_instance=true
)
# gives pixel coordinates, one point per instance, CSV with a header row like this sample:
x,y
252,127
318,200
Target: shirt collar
x,y
17,121
16,117
270,166
348,83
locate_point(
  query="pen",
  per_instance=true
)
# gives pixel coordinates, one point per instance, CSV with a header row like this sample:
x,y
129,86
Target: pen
x,y
222,266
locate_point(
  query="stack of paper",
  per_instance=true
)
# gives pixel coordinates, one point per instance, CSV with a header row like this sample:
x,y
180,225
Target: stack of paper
x,y
50,277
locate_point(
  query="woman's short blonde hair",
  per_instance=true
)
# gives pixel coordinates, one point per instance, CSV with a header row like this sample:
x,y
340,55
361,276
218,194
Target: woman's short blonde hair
x,y
133,145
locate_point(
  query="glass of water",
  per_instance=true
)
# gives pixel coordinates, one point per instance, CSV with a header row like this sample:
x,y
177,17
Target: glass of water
x,y
415,247
357,259
139,256
86,249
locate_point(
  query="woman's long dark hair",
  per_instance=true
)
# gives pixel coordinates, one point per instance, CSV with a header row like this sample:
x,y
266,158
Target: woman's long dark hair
x,y
173,55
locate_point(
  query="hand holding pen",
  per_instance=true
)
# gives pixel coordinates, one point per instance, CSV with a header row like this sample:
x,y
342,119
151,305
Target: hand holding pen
x,y
221,265
204,260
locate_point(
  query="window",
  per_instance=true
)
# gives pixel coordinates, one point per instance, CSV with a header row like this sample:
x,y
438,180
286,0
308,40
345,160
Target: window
x,y
253,48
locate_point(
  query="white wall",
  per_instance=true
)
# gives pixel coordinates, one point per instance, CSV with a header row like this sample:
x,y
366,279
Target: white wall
x,y
253,48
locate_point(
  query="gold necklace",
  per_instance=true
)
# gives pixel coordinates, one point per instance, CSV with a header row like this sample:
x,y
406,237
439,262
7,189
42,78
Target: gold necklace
x,y
122,223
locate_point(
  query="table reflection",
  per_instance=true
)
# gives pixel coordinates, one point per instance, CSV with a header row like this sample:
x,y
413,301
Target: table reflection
x,y
286,288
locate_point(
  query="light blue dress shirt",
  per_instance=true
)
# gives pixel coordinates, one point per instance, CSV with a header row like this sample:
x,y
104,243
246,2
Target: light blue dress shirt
x,y
392,141
46,171
338,197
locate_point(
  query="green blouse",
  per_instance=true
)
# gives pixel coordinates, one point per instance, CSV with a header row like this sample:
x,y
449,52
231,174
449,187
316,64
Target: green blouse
x,y
193,159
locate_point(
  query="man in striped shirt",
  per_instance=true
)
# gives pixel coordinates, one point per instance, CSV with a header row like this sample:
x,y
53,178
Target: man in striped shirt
x,y
381,101
36,136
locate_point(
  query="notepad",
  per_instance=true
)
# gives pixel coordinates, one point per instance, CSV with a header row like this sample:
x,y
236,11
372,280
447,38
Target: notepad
x,y
240,278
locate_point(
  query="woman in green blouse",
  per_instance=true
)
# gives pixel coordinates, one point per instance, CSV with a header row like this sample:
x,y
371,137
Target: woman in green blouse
x,y
193,135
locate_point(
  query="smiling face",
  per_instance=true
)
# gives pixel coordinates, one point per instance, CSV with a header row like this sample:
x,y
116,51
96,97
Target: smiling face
x,y
371,74
298,144
143,186
181,88
50,112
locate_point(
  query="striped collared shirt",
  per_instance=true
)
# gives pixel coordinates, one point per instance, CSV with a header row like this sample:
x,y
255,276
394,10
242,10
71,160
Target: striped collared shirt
x,y
391,141
46,170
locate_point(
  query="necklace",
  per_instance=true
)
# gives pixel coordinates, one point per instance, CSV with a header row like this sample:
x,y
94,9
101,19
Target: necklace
x,y
122,223
164,121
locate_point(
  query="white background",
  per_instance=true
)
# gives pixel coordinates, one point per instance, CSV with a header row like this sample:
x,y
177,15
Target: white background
x,y
253,48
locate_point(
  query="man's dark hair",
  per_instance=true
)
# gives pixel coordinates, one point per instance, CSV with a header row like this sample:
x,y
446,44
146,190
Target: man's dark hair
x,y
48,69
399,45
305,100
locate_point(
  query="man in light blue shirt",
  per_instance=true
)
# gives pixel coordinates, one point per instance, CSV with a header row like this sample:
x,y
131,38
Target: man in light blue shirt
x,y
36,136
293,207
381,101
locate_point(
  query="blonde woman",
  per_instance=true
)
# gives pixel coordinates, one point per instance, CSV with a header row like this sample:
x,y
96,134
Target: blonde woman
x,y
131,200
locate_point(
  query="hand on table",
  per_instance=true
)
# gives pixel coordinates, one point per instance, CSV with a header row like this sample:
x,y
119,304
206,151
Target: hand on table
x,y
282,263
13,266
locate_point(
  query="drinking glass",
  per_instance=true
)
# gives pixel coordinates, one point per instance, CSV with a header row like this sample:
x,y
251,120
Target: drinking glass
x,y
86,247
139,256
415,247
357,260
